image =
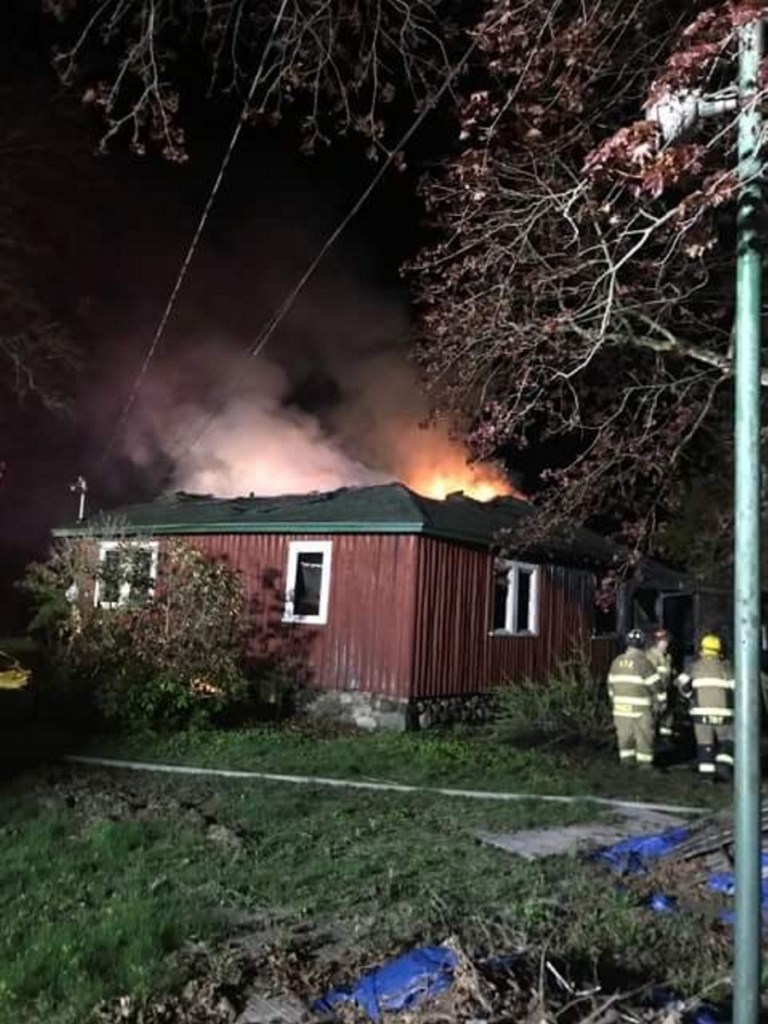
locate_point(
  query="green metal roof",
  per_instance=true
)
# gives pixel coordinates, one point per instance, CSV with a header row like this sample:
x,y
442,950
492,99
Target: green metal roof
x,y
388,508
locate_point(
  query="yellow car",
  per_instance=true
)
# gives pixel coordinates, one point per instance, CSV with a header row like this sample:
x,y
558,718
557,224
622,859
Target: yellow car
x,y
13,676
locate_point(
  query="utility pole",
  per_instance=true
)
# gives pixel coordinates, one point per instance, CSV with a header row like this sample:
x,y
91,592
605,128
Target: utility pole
x,y
80,487
747,576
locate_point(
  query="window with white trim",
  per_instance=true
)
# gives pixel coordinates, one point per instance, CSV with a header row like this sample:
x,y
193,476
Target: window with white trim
x,y
127,572
308,581
515,608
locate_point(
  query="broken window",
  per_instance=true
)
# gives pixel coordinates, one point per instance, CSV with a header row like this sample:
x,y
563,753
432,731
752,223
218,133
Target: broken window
x,y
308,581
515,599
127,572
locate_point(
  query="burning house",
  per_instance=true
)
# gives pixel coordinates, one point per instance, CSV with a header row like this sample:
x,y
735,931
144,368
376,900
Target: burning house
x,y
390,601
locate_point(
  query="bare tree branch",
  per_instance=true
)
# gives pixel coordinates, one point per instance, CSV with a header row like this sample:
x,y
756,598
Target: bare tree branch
x,y
579,298
679,347
341,63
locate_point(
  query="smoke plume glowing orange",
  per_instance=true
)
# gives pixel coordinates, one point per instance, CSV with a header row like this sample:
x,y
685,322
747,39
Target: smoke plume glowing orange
x,y
259,444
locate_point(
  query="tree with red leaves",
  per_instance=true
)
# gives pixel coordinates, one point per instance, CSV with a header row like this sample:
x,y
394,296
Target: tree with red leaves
x,y
579,293
338,64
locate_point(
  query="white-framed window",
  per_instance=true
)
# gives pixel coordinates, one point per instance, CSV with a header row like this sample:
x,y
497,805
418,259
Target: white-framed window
x,y
127,571
515,599
308,581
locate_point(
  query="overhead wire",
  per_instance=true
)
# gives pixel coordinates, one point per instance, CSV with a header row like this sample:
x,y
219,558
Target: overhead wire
x,y
192,248
265,334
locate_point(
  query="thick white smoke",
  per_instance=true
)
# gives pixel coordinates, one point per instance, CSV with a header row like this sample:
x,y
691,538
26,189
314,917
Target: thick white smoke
x,y
231,441
332,402
253,440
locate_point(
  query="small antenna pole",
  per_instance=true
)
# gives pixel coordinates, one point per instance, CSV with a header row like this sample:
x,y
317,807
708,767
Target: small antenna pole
x,y
80,487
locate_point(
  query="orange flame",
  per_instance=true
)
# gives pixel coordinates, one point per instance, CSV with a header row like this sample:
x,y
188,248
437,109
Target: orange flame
x,y
476,481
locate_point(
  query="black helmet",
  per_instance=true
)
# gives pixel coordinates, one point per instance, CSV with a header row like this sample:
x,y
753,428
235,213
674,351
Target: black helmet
x,y
636,637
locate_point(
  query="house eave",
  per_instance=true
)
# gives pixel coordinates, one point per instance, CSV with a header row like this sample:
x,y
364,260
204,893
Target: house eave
x,y
188,529
92,531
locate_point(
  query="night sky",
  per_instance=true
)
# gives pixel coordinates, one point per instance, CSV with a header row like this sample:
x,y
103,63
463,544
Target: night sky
x,y
107,235
111,233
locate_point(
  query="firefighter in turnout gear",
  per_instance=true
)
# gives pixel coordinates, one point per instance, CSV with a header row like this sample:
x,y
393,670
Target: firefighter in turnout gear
x,y
709,682
659,656
633,685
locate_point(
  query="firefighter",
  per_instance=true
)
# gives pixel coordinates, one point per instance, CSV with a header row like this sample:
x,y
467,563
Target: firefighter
x,y
633,687
659,656
709,683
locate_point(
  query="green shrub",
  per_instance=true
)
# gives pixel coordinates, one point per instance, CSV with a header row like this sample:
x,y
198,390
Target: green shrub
x,y
570,706
164,659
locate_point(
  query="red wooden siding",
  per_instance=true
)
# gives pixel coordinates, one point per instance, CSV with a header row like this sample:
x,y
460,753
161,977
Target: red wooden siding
x,y
368,641
407,615
451,619
454,652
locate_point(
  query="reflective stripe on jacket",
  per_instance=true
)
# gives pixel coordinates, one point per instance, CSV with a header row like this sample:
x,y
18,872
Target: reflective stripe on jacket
x,y
711,681
632,684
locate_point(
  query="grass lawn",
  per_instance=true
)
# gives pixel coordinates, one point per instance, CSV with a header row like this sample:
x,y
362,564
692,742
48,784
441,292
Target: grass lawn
x,y
103,875
474,759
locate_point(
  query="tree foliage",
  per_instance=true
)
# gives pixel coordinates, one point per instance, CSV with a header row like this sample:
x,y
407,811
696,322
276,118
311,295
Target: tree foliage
x,y
578,294
172,652
340,63
580,288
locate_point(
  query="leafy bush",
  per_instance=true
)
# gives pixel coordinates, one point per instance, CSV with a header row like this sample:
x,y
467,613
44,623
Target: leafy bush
x,y
570,706
172,653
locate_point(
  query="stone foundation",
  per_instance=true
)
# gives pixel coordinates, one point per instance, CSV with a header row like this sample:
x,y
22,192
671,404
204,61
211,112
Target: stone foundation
x,y
370,712
472,709
364,710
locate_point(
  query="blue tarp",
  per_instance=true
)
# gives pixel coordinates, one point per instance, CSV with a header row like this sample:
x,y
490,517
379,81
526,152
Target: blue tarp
x,y
631,856
724,881
662,997
403,983
398,985
662,904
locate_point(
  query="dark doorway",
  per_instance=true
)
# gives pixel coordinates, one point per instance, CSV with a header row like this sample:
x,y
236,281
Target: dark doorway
x,y
677,615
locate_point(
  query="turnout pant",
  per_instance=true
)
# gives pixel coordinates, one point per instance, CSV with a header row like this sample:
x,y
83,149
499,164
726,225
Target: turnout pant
x,y
634,735
714,745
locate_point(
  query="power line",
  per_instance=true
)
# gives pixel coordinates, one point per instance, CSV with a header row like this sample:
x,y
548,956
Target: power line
x,y
133,394
264,336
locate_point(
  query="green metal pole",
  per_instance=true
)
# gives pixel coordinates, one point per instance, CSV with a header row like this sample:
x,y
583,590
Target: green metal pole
x,y
747,583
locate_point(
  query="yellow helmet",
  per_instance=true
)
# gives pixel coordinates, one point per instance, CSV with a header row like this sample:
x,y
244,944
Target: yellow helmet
x,y
710,644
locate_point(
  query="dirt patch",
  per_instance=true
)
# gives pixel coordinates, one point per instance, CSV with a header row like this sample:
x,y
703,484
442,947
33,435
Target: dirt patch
x,y
231,986
96,796
268,972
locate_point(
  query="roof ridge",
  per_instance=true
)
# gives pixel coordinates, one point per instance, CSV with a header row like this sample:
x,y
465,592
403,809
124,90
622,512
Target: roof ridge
x,y
416,501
